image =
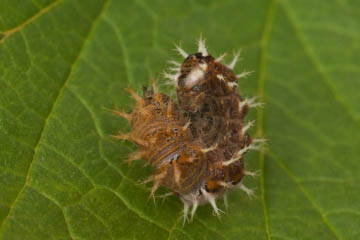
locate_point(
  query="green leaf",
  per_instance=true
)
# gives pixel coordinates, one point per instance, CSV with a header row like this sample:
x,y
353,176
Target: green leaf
x,y
63,62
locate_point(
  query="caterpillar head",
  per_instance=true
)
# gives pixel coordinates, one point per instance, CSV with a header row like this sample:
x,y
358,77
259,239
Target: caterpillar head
x,y
201,75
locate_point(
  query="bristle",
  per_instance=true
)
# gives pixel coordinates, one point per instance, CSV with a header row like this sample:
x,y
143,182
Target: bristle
x,y
252,174
157,179
193,210
226,204
165,195
147,180
225,184
231,161
255,146
181,51
176,64
173,77
212,201
153,190
117,112
260,140
134,95
239,154
212,148
234,61
248,191
144,111
201,47
221,57
170,110
122,114
186,126
174,69
122,136
250,102
185,212
138,141
247,126
258,144
220,77
134,156
155,88
244,74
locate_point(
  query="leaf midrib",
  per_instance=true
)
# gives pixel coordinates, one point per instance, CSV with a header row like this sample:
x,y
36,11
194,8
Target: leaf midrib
x,y
269,19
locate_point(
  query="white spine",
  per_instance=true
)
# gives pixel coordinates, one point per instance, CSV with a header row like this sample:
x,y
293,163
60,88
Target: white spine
x,y
202,47
181,51
234,61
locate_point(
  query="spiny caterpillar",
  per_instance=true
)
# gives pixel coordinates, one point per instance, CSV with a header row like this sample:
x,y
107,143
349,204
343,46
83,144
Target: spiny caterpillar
x,y
197,146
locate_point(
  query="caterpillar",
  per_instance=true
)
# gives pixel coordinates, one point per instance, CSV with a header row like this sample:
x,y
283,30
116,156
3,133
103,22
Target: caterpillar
x,y
196,146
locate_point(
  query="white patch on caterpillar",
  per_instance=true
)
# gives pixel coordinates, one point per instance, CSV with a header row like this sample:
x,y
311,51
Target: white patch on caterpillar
x,y
220,77
203,66
195,76
195,199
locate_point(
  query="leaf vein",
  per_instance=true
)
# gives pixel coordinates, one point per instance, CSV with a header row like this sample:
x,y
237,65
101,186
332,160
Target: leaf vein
x,y
100,134
101,220
8,33
56,203
210,229
268,23
294,178
126,57
52,148
136,211
52,108
317,64
303,124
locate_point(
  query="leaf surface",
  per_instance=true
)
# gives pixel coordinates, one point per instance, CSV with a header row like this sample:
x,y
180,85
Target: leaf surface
x,y
63,63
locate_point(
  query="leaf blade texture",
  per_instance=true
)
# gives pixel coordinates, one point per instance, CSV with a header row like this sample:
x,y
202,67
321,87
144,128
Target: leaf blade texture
x,y
63,62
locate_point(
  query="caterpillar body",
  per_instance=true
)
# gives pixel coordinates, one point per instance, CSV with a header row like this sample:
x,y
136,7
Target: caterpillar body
x,y
197,146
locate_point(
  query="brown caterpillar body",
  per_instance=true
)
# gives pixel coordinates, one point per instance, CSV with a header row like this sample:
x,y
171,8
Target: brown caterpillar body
x,y
216,112
196,148
165,141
